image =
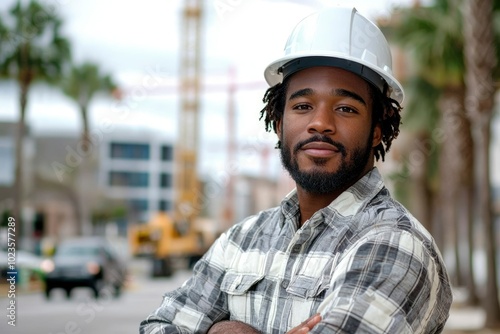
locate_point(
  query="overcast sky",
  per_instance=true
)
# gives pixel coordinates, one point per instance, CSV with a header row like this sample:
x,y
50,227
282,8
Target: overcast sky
x,y
138,43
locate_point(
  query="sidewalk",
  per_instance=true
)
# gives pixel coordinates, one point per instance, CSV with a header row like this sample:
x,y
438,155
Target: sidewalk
x,y
465,319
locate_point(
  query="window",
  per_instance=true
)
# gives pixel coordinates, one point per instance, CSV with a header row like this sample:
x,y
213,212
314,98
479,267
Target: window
x,y
165,180
167,153
130,151
165,205
128,179
138,204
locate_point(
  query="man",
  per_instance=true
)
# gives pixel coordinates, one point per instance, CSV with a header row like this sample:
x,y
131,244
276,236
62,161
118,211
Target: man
x,y
339,255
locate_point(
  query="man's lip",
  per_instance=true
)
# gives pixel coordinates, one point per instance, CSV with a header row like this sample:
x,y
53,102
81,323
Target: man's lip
x,y
319,149
320,145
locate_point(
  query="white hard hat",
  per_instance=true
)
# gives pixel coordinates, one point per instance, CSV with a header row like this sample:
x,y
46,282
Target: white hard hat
x,y
339,37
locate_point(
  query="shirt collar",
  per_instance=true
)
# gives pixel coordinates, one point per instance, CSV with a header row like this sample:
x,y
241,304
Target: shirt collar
x,y
346,204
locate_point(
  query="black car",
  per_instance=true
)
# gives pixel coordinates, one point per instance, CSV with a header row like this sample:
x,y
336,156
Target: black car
x,y
84,262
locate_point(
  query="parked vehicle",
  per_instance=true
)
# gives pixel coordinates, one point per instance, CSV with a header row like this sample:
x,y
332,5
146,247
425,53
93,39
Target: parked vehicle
x,y
162,240
84,262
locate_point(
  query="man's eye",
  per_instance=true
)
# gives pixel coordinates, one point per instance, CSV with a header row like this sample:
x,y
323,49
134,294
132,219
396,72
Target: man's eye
x,y
302,107
347,109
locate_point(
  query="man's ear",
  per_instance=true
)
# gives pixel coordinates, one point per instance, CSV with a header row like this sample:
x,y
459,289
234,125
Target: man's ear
x,y
278,127
377,135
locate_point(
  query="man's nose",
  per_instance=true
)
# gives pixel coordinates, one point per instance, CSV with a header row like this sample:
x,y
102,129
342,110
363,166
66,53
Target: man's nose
x,y
322,121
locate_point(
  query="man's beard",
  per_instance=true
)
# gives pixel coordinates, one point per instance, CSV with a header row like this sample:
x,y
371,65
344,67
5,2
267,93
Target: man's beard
x,y
322,182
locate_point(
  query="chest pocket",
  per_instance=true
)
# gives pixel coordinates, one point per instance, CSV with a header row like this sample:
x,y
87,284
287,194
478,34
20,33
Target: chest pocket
x,y
313,278
307,287
244,299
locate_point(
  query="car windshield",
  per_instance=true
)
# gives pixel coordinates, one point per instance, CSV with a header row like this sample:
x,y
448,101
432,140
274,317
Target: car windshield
x,y
72,250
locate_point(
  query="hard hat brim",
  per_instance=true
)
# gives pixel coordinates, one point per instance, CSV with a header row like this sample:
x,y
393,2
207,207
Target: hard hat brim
x,y
274,71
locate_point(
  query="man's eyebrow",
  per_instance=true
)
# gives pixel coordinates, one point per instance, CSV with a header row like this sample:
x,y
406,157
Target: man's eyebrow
x,y
348,93
301,92
335,92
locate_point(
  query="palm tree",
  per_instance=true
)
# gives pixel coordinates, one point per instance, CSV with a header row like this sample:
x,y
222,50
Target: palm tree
x,y
420,119
433,36
31,48
82,83
415,179
481,61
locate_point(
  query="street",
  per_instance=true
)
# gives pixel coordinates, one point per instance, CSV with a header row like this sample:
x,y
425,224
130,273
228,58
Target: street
x,y
82,314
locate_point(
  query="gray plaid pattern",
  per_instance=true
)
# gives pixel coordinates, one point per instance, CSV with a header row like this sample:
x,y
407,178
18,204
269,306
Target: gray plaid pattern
x,y
364,262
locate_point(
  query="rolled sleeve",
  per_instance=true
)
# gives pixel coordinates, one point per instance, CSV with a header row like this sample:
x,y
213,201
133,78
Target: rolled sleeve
x,y
195,306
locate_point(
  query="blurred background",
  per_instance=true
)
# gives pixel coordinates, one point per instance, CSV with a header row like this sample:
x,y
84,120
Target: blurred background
x,y
130,139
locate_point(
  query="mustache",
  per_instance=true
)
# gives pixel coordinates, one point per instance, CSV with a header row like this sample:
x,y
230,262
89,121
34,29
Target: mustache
x,y
321,138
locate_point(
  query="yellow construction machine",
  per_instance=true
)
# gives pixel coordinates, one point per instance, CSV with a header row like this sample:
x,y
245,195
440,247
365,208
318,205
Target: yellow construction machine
x,y
164,241
182,233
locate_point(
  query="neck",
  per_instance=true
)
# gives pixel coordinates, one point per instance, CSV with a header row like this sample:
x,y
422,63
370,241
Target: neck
x,y
310,203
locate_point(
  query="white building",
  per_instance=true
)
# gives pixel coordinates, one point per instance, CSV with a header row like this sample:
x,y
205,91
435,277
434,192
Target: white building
x,y
138,170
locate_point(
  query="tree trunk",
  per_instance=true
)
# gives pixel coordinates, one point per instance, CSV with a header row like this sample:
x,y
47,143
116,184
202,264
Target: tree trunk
x,y
25,77
421,194
450,170
461,159
84,176
466,203
17,207
482,139
466,213
480,60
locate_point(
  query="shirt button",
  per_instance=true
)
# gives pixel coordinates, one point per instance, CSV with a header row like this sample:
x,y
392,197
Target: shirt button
x,y
284,284
296,248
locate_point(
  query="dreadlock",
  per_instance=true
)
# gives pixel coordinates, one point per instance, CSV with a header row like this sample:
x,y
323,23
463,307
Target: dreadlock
x,y
274,98
386,113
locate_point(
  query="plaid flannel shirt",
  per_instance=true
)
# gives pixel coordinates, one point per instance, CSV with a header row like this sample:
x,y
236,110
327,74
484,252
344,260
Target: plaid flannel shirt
x,y
364,262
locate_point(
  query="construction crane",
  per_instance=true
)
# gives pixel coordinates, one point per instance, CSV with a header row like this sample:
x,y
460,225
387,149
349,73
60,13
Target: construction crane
x,y
186,183
181,234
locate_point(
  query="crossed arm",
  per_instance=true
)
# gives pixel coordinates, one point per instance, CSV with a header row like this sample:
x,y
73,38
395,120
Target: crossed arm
x,y
378,287
236,327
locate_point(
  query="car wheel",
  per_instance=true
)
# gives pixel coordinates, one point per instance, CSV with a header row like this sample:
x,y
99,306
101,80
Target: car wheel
x,y
162,267
117,290
96,287
47,293
192,260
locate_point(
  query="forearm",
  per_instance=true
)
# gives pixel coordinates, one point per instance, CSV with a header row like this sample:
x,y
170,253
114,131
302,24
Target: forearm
x,y
233,327
190,308
157,325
